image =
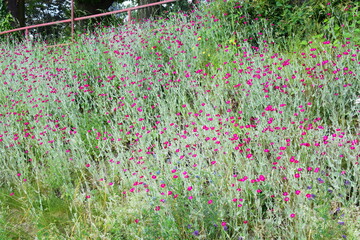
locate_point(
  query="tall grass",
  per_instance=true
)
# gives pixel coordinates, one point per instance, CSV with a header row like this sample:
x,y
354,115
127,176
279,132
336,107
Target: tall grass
x,y
179,128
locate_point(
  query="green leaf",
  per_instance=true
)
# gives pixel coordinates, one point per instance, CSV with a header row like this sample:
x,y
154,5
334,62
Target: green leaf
x,y
304,42
347,35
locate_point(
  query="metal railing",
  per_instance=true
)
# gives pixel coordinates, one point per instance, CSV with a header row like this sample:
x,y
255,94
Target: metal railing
x,y
72,20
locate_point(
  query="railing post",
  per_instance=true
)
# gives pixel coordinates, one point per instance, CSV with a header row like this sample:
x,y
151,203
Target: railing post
x,y
27,34
72,20
129,16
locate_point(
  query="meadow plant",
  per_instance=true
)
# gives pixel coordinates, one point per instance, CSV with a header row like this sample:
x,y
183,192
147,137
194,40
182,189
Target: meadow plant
x,y
180,128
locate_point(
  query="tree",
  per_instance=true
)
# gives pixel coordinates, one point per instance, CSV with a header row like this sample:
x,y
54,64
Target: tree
x,y
91,7
180,5
30,12
145,13
46,11
17,10
38,12
6,18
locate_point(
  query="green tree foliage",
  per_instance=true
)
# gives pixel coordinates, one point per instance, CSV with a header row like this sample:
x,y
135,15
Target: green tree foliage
x,y
20,13
91,7
6,19
17,10
38,12
163,10
145,13
289,19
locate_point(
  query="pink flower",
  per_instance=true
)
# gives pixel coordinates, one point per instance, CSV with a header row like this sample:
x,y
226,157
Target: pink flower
x,y
292,215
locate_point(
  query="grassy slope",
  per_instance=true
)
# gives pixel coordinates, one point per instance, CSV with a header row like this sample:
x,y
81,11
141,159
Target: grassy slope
x,y
178,129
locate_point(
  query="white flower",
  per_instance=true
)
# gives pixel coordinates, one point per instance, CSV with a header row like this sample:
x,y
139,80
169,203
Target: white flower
x,y
357,101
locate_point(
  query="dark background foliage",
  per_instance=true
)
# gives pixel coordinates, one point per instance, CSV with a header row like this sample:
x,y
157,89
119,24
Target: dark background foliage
x,y
301,19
